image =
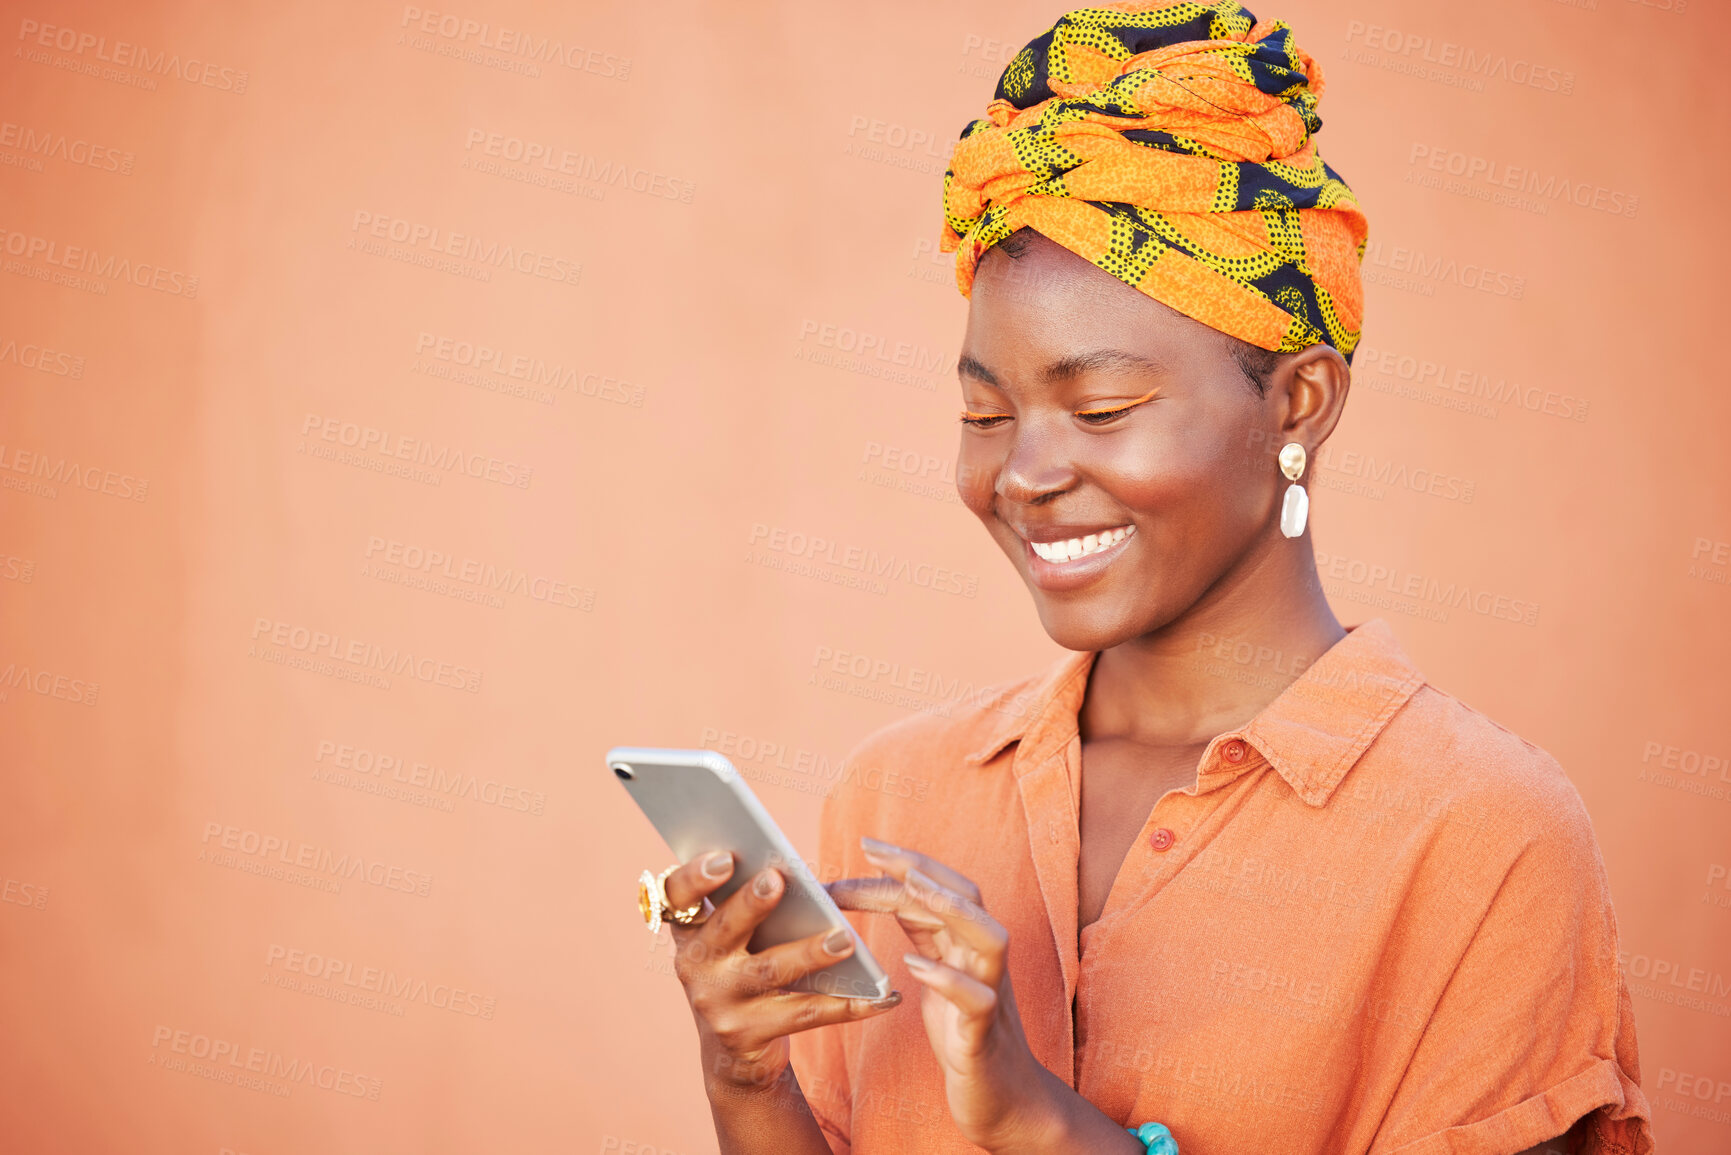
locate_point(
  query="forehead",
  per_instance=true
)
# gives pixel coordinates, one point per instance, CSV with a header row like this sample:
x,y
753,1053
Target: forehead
x,y
1050,300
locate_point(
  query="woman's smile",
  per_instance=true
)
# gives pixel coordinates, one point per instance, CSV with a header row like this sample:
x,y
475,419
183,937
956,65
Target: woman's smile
x,y
1067,557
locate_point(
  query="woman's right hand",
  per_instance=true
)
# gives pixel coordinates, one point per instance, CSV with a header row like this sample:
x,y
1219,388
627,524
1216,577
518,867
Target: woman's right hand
x,y
743,1016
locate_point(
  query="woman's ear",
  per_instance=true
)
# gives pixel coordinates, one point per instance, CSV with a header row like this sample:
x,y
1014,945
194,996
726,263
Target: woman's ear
x,y
1310,388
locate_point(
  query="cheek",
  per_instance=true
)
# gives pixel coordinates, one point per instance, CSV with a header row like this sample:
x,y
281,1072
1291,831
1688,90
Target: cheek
x,y
1187,484
977,468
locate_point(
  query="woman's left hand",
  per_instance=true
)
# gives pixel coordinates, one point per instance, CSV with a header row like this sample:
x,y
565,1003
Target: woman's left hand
x,y
1000,1096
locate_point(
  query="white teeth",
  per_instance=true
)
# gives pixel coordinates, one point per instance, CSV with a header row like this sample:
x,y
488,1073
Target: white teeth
x,y
1079,547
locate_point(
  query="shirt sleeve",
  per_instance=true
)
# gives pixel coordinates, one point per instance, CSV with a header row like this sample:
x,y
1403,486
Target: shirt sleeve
x,y
1534,1035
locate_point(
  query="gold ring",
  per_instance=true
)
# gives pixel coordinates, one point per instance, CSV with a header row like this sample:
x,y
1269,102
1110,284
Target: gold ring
x,y
653,905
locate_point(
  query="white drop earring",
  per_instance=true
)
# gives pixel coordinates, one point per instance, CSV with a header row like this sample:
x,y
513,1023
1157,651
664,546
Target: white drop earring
x,y
1295,507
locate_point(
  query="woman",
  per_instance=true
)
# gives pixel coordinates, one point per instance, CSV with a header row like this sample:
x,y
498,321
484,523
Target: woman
x,y
1230,868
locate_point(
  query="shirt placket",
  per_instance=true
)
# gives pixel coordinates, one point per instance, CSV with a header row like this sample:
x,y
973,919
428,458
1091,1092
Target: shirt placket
x,y
1168,839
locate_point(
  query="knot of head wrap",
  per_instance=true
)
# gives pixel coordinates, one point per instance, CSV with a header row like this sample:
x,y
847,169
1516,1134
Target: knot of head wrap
x,y
1171,144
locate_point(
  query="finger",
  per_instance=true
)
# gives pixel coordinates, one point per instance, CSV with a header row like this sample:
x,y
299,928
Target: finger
x,y
920,902
896,861
733,922
698,878
966,923
880,896
777,966
748,1025
973,998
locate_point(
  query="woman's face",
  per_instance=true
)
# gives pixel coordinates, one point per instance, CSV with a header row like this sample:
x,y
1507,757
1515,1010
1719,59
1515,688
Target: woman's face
x,y
1171,499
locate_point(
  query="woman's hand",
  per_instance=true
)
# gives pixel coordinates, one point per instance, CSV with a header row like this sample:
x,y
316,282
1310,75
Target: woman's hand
x,y
743,1017
999,1095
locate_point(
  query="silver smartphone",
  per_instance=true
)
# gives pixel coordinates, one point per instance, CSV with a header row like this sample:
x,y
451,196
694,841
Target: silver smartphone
x,y
699,803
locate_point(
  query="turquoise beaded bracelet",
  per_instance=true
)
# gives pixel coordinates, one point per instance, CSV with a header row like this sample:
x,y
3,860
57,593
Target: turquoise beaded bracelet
x,y
1156,1138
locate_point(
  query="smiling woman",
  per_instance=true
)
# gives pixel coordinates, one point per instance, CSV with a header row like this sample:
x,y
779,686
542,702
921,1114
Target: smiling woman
x,y
1304,905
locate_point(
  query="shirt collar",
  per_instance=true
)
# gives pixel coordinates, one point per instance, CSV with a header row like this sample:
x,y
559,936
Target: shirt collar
x,y
1312,734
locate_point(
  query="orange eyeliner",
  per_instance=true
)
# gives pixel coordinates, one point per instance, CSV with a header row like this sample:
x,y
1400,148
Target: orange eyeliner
x,y
1148,396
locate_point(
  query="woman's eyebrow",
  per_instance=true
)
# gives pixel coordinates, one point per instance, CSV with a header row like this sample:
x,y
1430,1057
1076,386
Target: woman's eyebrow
x,y
1079,363
966,366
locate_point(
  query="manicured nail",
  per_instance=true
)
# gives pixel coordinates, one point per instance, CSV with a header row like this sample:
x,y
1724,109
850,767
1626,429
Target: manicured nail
x,y
894,998
837,942
921,881
876,849
919,963
765,884
718,865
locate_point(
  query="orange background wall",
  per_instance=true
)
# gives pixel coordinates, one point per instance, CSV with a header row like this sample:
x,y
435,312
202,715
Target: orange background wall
x,y
197,205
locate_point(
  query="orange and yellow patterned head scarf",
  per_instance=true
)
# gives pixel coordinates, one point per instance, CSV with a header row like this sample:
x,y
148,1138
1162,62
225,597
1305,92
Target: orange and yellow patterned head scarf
x,y
1171,144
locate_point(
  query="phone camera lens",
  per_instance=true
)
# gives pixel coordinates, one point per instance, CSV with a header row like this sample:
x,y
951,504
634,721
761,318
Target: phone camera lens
x,y
623,771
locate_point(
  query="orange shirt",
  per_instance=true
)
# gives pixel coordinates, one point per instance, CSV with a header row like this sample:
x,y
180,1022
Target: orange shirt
x,y
1376,922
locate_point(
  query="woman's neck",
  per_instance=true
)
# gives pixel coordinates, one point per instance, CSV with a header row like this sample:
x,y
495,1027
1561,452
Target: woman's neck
x,y
1218,664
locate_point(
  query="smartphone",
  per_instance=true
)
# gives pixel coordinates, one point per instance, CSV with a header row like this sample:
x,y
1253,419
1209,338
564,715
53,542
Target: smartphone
x,y
699,803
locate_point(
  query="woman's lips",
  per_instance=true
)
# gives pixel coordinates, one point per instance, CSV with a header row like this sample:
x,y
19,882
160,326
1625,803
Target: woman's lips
x,y
1075,561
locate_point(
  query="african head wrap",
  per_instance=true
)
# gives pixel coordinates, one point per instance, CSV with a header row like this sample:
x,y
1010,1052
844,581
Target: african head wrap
x,y
1171,144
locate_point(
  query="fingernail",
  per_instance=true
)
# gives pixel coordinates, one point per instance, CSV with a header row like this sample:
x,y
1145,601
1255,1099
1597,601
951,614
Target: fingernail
x,y
876,849
889,1000
718,865
918,962
765,884
837,942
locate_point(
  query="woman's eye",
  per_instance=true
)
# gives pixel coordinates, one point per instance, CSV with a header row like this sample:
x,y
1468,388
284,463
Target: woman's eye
x,y
1107,416
984,420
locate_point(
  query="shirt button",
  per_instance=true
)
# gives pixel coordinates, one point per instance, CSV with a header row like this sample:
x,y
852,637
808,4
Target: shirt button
x,y
1233,750
1162,839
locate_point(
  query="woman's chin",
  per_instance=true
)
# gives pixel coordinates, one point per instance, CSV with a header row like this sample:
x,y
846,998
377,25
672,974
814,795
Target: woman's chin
x,y
1088,627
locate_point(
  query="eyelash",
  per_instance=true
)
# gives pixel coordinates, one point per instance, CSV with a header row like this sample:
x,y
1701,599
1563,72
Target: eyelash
x,y
992,420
